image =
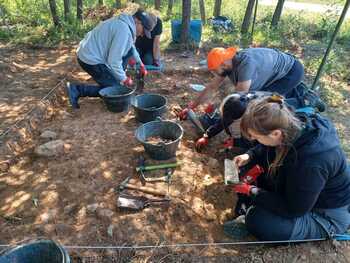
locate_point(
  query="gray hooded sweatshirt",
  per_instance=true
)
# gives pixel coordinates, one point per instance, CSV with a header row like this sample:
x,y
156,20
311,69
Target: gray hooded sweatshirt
x,y
108,43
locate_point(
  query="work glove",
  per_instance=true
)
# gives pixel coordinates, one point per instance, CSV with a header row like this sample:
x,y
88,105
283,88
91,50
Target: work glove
x,y
143,70
228,143
202,142
182,114
156,63
132,62
245,189
127,82
252,175
209,109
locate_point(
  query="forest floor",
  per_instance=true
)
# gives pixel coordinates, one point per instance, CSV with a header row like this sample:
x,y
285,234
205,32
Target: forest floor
x,y
72,197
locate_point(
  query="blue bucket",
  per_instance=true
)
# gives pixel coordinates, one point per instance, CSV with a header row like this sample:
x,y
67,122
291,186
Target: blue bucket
x,y
117,98
195,30
39,251
168,130
148,107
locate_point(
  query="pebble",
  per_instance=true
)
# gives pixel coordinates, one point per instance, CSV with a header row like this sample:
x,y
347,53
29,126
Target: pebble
x,y
52,148
50,135
92,207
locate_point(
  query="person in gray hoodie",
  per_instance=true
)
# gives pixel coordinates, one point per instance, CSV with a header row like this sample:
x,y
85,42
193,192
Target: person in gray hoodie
x,y
104,53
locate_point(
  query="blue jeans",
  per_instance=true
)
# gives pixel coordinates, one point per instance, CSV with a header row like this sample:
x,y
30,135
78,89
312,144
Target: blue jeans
x,y
102,74
289,87
146,57
319,223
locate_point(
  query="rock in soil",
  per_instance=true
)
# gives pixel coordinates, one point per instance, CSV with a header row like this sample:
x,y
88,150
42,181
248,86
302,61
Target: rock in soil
x,y
104,213
49,135
52,148
92,207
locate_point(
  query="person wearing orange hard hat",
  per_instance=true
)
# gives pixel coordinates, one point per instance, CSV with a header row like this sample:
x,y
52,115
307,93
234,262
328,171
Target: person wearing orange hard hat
x,y
257,69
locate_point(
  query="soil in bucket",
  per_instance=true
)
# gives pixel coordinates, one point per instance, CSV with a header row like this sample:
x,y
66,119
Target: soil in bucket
x,y
158,140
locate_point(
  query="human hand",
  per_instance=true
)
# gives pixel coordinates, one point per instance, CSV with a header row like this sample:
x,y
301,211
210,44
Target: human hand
x,y
132,62
182,114
202,142
245,189
241,160
209,109
127,82
156,63
143,70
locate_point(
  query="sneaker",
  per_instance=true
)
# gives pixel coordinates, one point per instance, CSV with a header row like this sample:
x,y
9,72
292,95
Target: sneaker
x,y
313,100
236,229
73,95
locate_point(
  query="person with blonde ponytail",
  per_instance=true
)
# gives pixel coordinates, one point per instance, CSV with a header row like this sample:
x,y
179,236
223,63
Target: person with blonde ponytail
x,y
305,190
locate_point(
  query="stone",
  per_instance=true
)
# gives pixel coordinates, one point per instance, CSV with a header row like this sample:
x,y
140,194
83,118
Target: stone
x,y
70,208
48,216
213,163
4,166
92,207
50,135
104,213
49,149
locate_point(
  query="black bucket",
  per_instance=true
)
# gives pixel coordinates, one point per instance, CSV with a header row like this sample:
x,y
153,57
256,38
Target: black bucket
x,y
39,251
148,107
167,130
117,98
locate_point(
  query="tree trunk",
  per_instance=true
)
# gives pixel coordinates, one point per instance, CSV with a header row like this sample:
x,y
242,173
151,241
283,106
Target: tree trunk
x,y
217,8
100,2
186,19
157,4
118,4
67,4
80,10
277,14
247,17
53,8
202,11
170,7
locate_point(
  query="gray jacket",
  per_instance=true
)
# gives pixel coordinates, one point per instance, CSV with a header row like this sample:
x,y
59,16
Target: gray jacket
x,y
108,43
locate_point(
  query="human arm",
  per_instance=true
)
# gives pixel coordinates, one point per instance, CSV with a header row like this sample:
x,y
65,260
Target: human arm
x,y
302,189
120,45
156,50
243,86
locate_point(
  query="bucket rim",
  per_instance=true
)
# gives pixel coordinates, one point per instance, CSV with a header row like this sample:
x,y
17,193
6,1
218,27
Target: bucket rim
x,y
147,109
132,90
161,121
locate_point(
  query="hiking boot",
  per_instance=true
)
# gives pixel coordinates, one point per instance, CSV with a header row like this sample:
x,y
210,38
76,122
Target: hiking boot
x,y
73,95
312,99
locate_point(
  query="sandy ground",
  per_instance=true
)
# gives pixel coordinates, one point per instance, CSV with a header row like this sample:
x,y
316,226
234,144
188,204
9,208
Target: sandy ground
x,y
72,197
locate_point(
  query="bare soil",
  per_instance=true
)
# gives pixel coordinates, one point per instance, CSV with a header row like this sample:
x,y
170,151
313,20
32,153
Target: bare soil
x,y
72,197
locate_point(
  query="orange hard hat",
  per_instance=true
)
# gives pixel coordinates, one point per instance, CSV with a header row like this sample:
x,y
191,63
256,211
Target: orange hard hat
x,y
218,55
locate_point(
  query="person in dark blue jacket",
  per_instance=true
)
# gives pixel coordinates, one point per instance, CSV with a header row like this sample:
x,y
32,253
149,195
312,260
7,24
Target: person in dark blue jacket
x,y
305,190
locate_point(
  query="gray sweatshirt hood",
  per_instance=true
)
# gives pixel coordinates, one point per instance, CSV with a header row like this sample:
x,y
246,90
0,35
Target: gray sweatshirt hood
x,y
129,20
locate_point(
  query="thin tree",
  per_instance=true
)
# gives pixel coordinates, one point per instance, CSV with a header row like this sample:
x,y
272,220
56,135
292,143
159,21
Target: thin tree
x,y
80,10
170,7
202,11
157,4
247,16
55,18
186,19
217,8
118,4
66,4
100,2
278,12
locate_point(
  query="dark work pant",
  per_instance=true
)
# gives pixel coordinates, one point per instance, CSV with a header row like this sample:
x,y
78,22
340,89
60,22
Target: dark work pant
x,y
289,87
146,57
102,74
266,225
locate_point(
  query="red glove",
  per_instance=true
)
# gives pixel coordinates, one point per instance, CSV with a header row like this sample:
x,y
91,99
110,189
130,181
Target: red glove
x,y
209,109
202,142
228,143
143,70
127,82
132,62
183,114
252,174
245,189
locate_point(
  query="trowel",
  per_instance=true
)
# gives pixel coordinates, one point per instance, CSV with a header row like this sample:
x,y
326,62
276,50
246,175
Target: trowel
x,y
138,202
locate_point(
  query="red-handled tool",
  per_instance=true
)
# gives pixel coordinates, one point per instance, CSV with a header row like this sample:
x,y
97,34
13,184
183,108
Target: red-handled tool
x,y
252,174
